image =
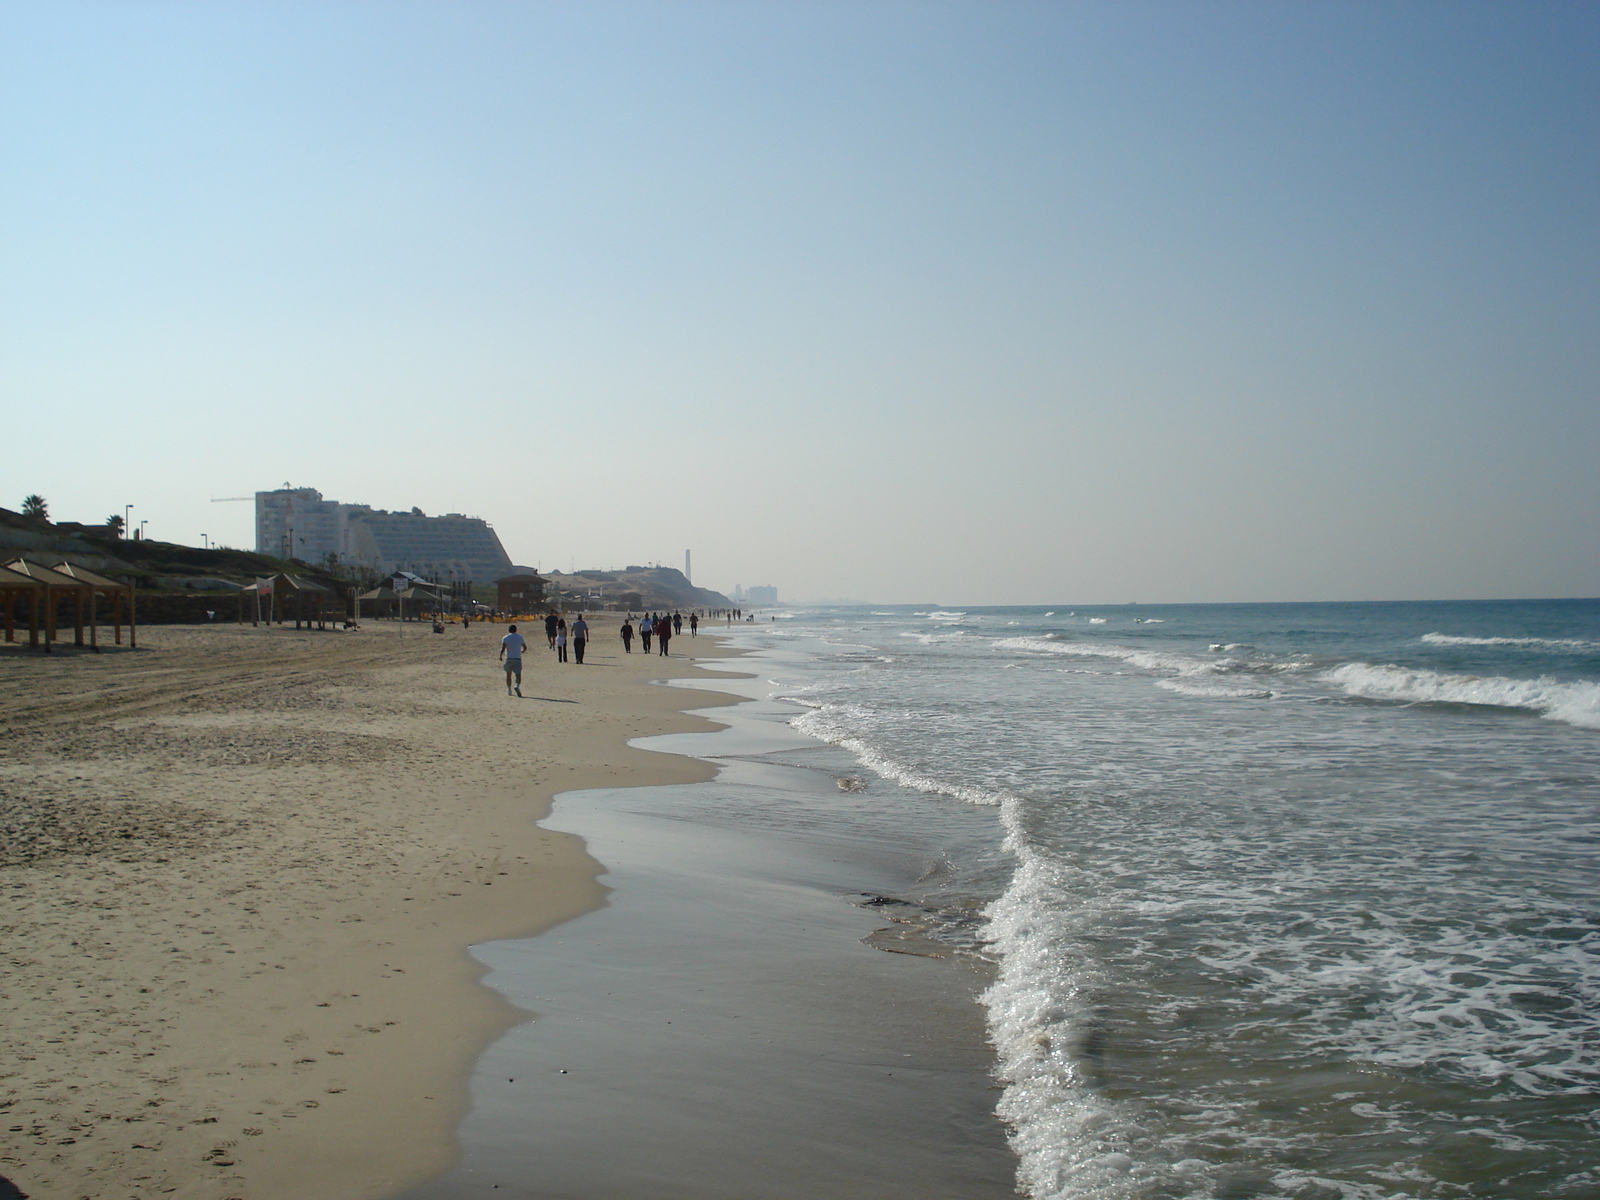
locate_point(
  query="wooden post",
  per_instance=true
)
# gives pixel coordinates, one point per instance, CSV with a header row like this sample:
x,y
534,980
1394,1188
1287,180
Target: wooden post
x,y
133,630
116,614
94,627
33,619
51,601
11,600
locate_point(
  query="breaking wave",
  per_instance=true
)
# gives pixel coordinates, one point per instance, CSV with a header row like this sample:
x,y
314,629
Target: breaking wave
x,y
1575,703
1448,639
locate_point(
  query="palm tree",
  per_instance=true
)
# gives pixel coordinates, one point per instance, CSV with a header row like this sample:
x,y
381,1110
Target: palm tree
x,y
115,523
35,506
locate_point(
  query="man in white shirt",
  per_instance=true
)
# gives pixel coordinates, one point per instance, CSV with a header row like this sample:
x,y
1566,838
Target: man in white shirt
x,y
580,637
511,647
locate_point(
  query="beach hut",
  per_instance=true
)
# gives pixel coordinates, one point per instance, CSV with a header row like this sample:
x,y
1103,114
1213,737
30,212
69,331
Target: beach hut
x,y
13,586
99,586
56,585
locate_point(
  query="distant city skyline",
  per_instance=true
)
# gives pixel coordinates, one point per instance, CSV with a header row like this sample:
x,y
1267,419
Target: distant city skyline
x,y
952,302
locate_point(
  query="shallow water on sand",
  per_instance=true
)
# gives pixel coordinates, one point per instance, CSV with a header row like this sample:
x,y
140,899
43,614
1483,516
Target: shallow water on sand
x,y
720,1029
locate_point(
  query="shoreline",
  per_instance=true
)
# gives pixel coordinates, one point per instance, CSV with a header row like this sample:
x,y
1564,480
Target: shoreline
x,y
731,1009
249,975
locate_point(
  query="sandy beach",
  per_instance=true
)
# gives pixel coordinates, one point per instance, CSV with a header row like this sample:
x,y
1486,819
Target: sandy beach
x,y
242,870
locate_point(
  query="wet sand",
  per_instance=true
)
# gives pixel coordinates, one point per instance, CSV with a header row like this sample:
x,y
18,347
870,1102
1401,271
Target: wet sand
x,y
241,871
723,1029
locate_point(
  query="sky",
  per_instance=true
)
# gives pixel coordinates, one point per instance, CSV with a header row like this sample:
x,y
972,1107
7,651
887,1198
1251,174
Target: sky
x,y
926,302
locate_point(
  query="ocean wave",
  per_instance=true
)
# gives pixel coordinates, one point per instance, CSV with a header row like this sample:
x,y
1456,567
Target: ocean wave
x,y
1071,1141
1213,690
1153,659
1574,703
1447,639
931,639
835,724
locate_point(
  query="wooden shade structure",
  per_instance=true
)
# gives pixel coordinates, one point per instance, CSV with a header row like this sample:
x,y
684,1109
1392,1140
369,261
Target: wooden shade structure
x,y
13,586
309,600
375,595
101,586
83,586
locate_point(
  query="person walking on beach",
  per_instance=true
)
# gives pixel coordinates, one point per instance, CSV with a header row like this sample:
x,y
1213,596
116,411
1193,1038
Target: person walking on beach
x,y
694,624
580,638
677,622
627,636
664,632
647,628
561,640
550,628
511,647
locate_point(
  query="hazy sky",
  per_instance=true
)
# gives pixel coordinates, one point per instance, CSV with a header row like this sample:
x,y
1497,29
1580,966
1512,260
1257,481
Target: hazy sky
x,y
972,303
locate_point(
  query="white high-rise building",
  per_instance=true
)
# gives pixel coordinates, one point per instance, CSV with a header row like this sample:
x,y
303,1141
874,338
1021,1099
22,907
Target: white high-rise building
x,y
298,523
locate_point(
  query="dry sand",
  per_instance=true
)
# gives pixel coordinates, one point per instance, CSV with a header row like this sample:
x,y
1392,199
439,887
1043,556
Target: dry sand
x,y
241,868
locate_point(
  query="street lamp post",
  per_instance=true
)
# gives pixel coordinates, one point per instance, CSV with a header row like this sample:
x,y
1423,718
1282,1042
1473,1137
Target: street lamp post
x,y
142,524
127,515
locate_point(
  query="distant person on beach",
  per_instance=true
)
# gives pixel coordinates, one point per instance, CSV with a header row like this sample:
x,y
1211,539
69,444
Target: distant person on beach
x,y
627,636
511,647
664,632
580,638
550,628
677,622
647,628
694,624
561,640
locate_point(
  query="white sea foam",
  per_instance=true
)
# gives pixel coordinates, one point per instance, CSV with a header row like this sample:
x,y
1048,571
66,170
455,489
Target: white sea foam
x,y
1446,639
1575,703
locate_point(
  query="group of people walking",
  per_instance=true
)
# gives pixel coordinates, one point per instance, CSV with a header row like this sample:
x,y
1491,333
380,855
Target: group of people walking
x,y
661,627
575,638
561,638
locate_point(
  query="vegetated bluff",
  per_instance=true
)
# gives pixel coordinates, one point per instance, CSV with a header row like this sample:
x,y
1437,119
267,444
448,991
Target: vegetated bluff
x,y
633,589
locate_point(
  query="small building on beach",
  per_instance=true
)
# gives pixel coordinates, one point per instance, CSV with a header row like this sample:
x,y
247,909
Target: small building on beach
x,y
520,593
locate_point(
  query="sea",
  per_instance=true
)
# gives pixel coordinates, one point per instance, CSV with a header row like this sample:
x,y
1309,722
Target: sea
x,y
1294,900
